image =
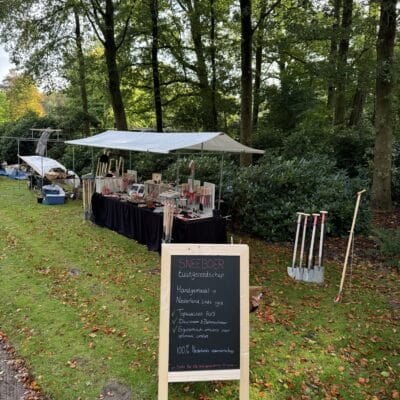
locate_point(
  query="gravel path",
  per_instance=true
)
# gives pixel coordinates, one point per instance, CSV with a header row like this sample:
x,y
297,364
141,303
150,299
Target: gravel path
x,y
10,387
15,381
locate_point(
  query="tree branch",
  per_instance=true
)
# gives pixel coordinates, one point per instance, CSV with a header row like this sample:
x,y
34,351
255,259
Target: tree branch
x,y
123,35
265,15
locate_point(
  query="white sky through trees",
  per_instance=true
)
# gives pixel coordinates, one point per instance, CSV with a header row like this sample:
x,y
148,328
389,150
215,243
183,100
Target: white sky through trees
x,y
5,64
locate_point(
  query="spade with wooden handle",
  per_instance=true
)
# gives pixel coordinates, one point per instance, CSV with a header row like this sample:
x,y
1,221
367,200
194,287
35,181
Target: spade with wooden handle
x,y
338,298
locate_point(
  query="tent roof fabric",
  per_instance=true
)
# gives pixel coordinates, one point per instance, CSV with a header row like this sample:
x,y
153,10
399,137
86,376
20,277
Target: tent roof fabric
x,y
157,142
42,165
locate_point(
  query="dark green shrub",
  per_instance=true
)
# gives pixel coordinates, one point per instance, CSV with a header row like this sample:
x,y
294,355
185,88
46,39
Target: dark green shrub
x,y
353,148
388,242
313,135
266,196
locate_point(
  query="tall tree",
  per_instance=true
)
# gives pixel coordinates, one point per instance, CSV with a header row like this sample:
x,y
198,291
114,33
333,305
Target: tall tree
x,y
336,4
259,46
365,69
340,106
155,65
382,177
213,50
23,96
81,69
102,16
43,37
194,10
246,80
4,107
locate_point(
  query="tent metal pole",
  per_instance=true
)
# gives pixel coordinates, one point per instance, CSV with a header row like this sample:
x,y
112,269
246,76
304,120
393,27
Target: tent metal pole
x,y
220,181
130,159
73,158
42,172
177,172
93,162
19,166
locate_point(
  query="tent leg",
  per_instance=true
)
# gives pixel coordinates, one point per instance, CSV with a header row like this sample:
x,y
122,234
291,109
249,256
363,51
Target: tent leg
x,y
92,161
220,181
42,174
73,158
177,172
19,166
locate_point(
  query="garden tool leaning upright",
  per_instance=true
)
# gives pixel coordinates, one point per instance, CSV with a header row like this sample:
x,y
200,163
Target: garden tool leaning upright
x,y
350,241
315,271
308,273
319,269
293,271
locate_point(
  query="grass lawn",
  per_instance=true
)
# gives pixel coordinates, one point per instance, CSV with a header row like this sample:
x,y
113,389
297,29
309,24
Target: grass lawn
x,y
81,305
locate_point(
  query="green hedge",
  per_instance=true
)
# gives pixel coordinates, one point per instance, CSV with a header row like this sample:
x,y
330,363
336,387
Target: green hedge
x,y
266,196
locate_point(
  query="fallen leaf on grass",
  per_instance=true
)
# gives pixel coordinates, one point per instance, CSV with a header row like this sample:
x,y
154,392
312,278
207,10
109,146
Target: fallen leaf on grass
x,y
34,386
363,381
334,390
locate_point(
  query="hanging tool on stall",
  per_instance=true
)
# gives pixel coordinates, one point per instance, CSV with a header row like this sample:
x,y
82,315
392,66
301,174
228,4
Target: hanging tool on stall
x,y
102,165
168,219
192,189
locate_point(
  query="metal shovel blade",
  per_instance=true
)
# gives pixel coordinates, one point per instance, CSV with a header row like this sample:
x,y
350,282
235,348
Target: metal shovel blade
x,y
291,271
318,275
304,274
314,275
299,274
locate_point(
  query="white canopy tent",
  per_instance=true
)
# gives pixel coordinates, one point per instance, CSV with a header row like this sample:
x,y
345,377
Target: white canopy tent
x,y
165,142
44,165
156,142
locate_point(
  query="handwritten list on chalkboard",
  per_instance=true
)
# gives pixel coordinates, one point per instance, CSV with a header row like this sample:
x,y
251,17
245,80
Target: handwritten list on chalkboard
x,y
204,320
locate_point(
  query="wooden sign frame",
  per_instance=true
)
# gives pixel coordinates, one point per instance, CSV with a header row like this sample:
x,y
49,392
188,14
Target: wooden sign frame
x,y
164,375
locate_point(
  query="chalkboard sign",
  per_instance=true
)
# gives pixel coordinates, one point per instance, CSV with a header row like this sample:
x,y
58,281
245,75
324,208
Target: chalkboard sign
x,y
204,326
204,317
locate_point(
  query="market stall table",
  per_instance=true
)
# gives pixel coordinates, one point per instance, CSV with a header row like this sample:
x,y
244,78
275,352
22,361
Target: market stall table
x,y
146,226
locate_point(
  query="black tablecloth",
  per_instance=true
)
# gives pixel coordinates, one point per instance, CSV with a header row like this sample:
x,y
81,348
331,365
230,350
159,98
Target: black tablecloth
x,y
146,227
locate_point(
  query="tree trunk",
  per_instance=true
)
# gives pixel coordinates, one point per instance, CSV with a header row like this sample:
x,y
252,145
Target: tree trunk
x,y
382,177
340,107
357,106
213,69
114,84
154,63
364,74
333,55
208,119
81,72
246,79
257,84
257,72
